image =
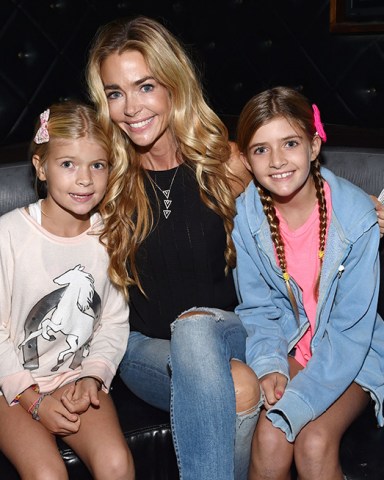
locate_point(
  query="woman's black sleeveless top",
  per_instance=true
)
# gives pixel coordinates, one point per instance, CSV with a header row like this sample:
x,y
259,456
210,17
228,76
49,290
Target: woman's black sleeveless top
x,y
181,263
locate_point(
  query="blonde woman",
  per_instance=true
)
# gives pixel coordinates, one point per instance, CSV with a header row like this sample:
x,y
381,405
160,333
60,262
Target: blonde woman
x,y
168,220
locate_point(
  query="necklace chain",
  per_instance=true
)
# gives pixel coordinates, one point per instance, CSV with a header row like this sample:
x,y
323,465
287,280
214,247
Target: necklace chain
x,y
167,201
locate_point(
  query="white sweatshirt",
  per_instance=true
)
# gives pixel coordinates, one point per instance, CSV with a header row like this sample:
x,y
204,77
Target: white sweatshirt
x,y
60,316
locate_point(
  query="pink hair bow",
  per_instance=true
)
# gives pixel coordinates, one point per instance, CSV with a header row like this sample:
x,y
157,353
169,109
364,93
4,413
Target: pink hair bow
x,y
42,135
318,125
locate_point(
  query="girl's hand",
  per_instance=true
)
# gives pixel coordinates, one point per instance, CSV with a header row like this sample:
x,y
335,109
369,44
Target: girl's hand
x,y
79,396
56,418
273,386
380,214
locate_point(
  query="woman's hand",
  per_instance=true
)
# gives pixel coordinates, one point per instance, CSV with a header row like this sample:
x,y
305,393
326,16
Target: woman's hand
x,y
380,214
273,386
80,395
239,175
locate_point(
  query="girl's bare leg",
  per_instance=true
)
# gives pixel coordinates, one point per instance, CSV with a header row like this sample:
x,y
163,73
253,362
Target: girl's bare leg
x,y
318,444
316,448
100,443
28,445
272,454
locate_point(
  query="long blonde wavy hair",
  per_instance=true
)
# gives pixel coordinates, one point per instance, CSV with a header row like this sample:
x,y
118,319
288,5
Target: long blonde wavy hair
x,y
261,109
200,136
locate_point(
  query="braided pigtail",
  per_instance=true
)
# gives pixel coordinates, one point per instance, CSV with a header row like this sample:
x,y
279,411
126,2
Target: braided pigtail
x,y
319,184
270,213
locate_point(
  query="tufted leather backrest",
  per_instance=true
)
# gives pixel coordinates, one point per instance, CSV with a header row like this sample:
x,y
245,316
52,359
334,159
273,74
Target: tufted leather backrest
x,y
364,167
16,185
241,47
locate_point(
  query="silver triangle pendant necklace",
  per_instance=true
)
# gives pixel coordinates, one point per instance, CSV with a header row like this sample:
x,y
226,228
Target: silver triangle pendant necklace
x,y
167,193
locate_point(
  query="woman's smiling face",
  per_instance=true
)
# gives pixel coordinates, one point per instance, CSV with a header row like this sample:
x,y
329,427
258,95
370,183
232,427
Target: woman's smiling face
x,y
138,103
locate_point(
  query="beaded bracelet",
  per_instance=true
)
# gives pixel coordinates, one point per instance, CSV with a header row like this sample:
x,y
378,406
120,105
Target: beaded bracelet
x,y
34,387
34,408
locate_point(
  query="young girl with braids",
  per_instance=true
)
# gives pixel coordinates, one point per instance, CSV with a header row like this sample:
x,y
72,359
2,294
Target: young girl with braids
x,y
308,278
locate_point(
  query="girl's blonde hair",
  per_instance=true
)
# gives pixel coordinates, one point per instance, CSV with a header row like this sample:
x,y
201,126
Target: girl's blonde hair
x,y
200,136
293,106
68,121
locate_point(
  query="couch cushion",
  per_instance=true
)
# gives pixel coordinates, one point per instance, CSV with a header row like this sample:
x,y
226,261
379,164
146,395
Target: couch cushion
x,y
363,167
16,185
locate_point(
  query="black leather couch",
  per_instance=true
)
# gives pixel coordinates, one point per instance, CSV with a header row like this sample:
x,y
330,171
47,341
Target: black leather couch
x,y
147,429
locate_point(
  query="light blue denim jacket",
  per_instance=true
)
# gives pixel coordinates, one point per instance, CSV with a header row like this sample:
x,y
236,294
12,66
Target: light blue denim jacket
x,y
348,341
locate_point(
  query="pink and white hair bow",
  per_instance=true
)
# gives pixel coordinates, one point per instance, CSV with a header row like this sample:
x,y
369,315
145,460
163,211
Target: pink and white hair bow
x,y
318,125
42,135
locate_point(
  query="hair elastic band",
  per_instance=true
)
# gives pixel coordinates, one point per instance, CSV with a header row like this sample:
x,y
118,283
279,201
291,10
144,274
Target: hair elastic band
x,y
291,296
42,135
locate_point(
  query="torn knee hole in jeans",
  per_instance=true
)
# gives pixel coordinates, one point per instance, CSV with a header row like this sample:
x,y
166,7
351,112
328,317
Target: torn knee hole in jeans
x,y
248,411
193,313
255,409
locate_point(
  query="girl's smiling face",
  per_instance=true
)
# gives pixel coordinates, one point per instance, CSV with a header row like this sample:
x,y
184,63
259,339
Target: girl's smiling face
x,y
279,155
76,172
138,103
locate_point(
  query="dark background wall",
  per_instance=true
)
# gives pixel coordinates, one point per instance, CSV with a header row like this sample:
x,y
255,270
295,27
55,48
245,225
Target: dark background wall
x,y
240,46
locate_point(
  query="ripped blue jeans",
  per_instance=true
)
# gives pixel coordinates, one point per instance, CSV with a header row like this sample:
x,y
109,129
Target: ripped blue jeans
x,y
190,376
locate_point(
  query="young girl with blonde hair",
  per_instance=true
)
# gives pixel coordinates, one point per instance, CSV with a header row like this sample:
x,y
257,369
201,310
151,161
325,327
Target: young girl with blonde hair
x,y
307,277
63,325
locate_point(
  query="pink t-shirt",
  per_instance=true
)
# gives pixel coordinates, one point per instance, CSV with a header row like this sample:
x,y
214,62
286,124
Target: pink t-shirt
x,y
301,252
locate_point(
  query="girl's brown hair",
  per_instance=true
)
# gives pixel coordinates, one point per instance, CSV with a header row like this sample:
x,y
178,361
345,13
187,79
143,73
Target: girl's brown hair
x,y
261,109
200,136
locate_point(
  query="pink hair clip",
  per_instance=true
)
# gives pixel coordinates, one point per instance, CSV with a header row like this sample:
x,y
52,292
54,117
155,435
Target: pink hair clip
x,y
42,135
318,125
